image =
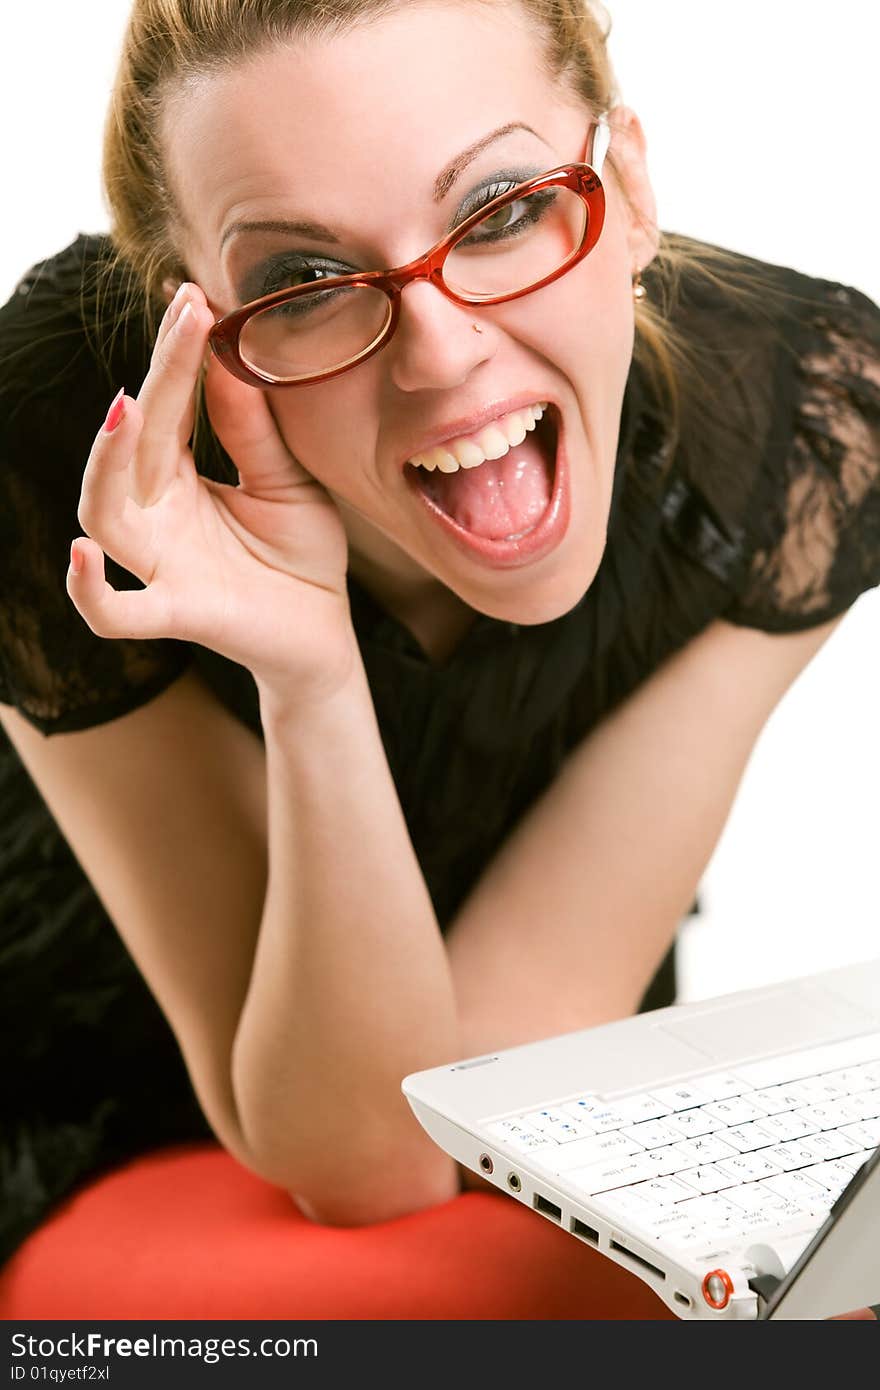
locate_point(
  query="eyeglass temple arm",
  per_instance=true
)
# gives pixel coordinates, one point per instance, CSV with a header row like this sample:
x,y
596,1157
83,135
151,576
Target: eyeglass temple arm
x,y
601,142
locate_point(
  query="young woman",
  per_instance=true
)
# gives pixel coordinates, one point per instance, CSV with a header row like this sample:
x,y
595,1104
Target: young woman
x,y
418,627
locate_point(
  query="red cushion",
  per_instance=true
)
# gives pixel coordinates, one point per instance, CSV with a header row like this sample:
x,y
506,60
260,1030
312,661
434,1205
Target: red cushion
x,y
187,1232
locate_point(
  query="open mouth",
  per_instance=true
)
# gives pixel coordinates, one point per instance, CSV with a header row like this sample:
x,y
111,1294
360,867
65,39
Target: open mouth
x,y
498,502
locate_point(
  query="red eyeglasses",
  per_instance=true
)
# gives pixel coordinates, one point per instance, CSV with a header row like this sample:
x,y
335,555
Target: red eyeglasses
x,y
515,244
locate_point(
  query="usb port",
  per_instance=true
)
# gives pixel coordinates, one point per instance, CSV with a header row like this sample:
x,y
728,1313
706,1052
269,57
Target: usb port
x,y
580,1228
547,1207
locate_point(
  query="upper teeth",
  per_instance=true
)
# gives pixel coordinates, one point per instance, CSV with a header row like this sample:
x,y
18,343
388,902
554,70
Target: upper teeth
x,y
491,442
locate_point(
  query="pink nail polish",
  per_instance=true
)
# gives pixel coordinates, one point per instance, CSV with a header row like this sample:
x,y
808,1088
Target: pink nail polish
x,y
116,411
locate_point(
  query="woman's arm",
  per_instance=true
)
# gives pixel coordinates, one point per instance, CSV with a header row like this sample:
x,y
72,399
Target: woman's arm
x,y
298,1007
573,916
351,987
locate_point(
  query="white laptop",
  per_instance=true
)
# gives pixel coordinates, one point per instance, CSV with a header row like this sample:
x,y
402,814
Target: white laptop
x,y
725,1151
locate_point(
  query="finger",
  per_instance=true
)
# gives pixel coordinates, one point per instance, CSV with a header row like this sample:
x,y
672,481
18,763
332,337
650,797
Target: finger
x,y
177,296
166,397
105,509
243,423
109,612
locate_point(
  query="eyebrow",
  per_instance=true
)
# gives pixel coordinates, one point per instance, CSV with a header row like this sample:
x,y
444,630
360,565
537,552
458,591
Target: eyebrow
x,y
442,184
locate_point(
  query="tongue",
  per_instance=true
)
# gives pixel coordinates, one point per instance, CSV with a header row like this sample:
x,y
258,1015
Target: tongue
x,y
500,499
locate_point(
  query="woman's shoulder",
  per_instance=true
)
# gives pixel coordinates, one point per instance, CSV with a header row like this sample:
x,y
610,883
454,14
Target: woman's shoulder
x,y
65,330
58,372
780,430
746,291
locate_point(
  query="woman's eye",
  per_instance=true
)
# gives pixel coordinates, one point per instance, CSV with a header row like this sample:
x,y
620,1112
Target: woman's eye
x,y
287,275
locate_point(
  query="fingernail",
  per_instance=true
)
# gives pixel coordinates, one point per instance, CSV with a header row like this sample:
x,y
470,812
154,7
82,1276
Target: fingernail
x,y
76,558
116,411
187,320
180,299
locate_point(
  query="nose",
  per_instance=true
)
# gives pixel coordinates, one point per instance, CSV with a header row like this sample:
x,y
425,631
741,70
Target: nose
x,y
434,345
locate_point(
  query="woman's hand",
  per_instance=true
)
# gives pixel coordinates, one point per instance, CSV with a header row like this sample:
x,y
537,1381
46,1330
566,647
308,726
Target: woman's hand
x,y
255,572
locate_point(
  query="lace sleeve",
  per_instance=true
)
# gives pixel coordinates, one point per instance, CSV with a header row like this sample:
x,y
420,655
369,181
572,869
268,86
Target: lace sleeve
x,y
54,391
815,538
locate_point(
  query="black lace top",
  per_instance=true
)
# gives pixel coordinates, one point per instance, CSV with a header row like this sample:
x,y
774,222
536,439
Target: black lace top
x,y
765,511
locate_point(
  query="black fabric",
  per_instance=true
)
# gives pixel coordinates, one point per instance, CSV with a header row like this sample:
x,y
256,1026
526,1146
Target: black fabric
x,y
764,510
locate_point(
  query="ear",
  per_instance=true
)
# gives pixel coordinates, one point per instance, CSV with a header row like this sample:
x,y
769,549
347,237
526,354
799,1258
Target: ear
x,y
169,289
628,157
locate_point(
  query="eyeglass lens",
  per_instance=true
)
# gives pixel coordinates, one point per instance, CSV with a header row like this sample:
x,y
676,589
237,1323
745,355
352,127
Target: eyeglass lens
x,y
507,251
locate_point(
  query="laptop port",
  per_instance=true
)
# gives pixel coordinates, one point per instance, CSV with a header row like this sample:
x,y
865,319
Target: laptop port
x,y
637,1259
580,1228
486,1163
514,1182
547,1207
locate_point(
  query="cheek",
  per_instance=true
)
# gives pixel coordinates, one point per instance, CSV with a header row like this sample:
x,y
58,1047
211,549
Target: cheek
x,y
323,426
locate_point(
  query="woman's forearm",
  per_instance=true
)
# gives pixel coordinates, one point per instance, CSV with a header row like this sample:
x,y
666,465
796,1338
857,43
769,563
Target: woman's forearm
x,y
351,987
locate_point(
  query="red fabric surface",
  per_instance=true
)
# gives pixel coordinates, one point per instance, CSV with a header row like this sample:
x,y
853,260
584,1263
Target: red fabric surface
x,y
189,1233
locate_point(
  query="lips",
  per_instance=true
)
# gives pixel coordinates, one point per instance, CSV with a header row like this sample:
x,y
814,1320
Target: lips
x,y
523,498
470,424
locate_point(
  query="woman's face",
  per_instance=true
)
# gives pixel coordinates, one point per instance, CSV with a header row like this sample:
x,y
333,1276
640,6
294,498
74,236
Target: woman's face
x,y
353,132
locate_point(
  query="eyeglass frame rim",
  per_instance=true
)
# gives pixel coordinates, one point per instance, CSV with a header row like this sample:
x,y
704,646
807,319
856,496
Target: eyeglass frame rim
x,y
581,177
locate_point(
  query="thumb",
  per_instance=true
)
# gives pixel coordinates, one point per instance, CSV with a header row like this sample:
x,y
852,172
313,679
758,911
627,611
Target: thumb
x,y
244,424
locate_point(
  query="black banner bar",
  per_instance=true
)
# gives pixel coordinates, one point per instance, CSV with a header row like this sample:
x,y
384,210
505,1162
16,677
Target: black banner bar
x,y
128,1355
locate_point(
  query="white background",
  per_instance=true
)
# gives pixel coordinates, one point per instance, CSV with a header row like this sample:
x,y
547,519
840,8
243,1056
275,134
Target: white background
x,y
761,117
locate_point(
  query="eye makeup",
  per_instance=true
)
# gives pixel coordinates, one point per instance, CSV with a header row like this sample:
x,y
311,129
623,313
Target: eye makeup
x,y
281,269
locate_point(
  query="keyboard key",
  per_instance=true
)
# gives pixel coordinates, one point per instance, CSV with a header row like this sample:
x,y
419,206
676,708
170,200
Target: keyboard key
x,y
803,1191
708,1148
681,1097
722,1086
567,1130
669,1160
634,1109
813,1090
756,1198
544,1120
749,1167
774,1099
789,1126
867,1104
710,1178
828,1175
664,1191
619,1172
737,1111
744,1138
580,1152
692,1123
866,1133
712,1213
600,1116
625,1201
534,1144
853,1162
851,1080
652,1134
516,1132
792,1155
829,1145
829,1115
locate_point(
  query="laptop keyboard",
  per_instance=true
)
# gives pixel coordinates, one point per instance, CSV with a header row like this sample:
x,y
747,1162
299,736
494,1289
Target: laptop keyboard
x,y
770,1143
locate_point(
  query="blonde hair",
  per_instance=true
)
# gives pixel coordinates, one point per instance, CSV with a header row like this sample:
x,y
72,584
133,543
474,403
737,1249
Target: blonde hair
x,y
167,41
